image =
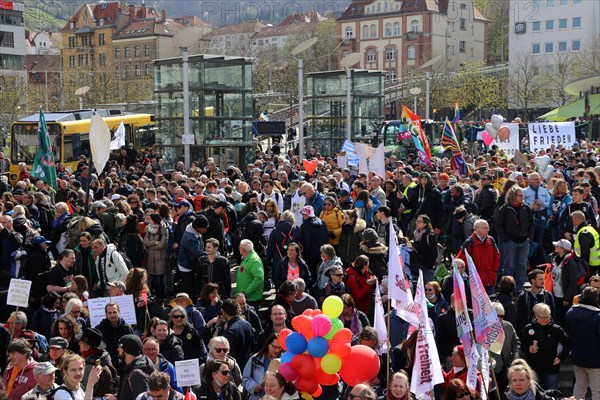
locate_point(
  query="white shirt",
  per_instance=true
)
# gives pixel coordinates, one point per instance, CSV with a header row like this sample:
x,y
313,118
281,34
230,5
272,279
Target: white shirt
x,y
62,394
298,201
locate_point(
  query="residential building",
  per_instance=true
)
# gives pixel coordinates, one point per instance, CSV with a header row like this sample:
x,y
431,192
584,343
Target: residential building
x,y
43,43
544,36
12,35
90,58
44,80
235,40
399,37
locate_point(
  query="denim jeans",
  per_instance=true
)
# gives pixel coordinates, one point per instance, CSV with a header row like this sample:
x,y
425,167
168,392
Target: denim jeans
x,y
515,261
427,275
549,381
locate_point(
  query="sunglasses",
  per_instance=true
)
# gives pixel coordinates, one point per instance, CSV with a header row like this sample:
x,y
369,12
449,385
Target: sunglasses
x,y
225,373
178,316
221,350
428,290
337,274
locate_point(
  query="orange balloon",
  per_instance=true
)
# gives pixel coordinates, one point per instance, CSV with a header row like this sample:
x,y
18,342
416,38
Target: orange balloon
x,y
340,343
282,335
318,392
303,325
503,133
316,312
326,379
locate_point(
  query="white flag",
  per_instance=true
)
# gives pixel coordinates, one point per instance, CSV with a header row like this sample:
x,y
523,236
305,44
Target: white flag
x,y
370,159
379,324
472,367
398,286
427,371
485,370
119,138
99,142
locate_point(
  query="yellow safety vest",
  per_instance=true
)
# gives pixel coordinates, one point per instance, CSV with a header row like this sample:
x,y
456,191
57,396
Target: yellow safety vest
x,y
594,260
412,185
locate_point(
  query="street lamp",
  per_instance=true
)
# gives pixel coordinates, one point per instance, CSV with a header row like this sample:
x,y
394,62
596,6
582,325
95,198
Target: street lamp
x,y
80,93
297,50
184,39
415,92
346,63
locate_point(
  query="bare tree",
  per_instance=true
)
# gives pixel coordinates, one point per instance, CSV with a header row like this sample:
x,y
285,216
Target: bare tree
x,y
555,76
587,61
524,86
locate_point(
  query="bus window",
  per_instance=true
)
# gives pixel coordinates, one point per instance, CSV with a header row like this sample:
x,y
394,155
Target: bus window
x,y
25,141
75,146
147,136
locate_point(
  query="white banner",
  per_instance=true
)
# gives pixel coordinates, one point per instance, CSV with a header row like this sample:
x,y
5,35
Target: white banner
x,y
18,293
126,309
371,159
511,143
544,134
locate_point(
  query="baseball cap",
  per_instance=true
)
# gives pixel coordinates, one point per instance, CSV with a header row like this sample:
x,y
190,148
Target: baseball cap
x,y
44,368
39,240
564,243
183,203
344,192
97,204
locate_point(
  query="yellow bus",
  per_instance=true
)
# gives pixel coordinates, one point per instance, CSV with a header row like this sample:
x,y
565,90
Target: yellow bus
x,y
69,135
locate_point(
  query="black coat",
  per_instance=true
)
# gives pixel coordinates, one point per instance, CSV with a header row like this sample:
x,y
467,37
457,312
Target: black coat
x,y
216,229
514,224
134,378
206,391
377,254
192,344
280,272
171,348
426,201
217,272
111,335
314,235
240,335
426,248
275,252
486,202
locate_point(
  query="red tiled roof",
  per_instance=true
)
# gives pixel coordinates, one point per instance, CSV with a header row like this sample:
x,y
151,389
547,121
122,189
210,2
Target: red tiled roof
x,y
357,8
148,27
41,63
109,12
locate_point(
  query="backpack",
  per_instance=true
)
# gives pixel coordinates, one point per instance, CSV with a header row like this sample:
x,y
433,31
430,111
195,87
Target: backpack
x,y
584,270
287,239
73,231
126,259
52,393
439,259
108,383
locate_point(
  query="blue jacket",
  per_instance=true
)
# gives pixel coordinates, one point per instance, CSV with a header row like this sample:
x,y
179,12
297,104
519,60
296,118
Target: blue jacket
x,y
190,248
317,202
169,369
369,212
254,372
582,324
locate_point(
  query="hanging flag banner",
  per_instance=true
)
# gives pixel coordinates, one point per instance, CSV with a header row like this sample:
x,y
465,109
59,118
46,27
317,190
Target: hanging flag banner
x,y
427,371
398,286
463,321
119,140
99,142
43,163
544,134
379,323
507,139
488,328
416,129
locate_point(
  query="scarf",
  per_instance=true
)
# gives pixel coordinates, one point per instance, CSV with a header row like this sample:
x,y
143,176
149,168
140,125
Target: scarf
x,y
528,395
152,229
418,234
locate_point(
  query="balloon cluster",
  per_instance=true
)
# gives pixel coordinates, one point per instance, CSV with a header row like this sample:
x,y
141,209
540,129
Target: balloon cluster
x,y
495,129
319,352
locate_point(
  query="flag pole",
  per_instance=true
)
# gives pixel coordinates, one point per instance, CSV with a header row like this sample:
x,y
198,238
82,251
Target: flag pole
x,y
495,383
389,352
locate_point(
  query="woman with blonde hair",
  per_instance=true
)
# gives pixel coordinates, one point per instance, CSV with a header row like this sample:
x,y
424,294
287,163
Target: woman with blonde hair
x,y
522,383
72,371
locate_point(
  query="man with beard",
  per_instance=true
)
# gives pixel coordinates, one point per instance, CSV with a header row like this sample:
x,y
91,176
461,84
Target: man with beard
x,y
112,328
135,369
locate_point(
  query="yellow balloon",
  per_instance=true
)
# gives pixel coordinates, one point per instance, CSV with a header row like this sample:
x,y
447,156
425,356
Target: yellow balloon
x,y
307,396
333,306
331,364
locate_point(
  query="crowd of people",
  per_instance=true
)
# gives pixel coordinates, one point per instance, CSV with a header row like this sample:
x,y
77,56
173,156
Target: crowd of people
x,y
201,249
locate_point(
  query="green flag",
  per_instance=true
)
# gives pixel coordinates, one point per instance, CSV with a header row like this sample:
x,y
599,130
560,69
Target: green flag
x,y
43,164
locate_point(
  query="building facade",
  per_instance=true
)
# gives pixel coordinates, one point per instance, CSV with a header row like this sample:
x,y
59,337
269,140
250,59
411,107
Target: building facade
x,y
399,37
545,39
12,35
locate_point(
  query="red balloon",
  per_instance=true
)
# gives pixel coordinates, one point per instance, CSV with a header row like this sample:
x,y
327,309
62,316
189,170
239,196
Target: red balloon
x,y
326,379
303,325
304,365
282,335
318,392
361,365
308,312
308,385
340,343
316,312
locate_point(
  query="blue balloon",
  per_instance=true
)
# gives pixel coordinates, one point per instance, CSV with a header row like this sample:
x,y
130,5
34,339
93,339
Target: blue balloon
x,y
287,356
318,346
296,343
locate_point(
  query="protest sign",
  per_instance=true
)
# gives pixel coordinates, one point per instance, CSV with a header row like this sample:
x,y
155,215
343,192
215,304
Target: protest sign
x,y
544,134
18,293
187,372
126,308
510,144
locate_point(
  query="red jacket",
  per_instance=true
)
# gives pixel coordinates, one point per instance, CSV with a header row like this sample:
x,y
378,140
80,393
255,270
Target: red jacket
x,y
24,382
485,255
359,289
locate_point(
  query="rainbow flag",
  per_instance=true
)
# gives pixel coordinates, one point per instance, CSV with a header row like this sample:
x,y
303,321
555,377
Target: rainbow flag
x,y
488,328
449,141
456,112
416,130
463,321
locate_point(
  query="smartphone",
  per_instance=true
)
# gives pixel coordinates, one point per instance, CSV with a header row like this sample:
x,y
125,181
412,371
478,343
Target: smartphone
x,y
97,363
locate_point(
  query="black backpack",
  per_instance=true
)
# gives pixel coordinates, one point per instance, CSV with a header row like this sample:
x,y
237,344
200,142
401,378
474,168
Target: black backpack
x,y
52,393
